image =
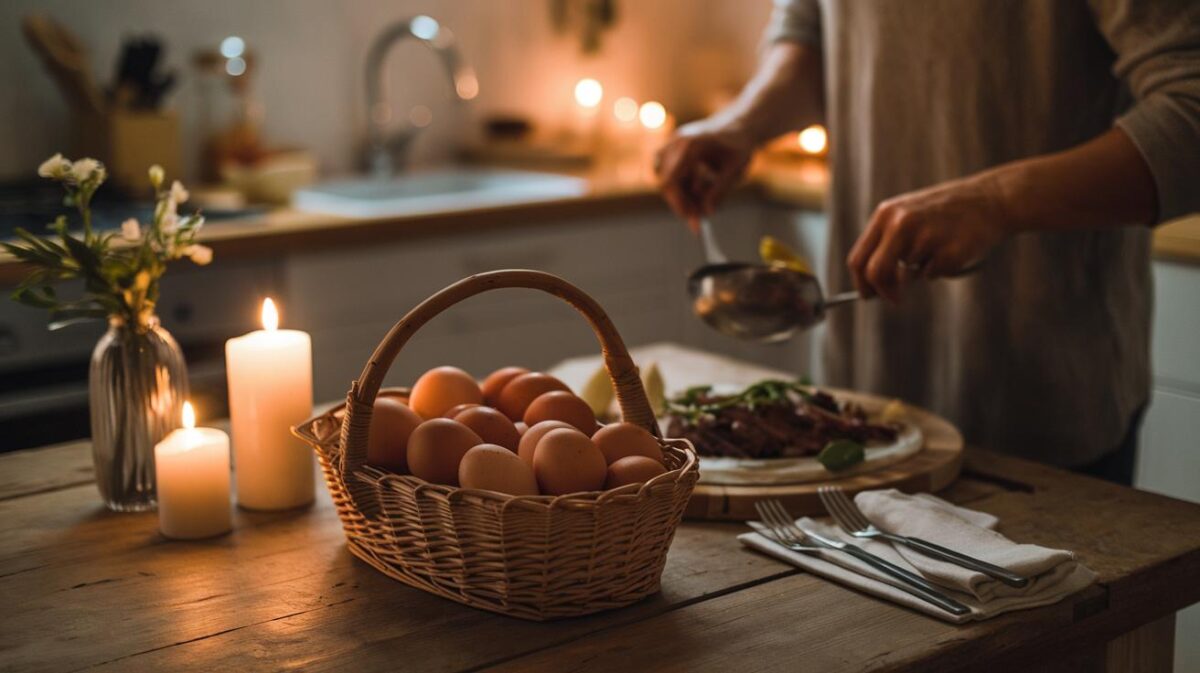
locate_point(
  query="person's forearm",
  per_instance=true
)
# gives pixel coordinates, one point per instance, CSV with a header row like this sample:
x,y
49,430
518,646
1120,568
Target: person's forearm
x,y
1104,182
785,94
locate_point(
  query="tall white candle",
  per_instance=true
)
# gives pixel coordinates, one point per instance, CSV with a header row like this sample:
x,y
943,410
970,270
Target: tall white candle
x,y
270,390
192,471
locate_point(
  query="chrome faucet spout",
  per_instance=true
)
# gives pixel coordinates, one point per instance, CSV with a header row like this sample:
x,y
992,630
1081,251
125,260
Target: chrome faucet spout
x,y
387,150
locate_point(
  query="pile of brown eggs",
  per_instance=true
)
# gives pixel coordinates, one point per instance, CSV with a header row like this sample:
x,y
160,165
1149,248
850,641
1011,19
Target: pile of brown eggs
x,y
520,432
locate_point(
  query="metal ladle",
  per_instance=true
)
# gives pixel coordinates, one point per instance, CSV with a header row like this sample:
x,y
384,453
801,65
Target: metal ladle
x,y
758,301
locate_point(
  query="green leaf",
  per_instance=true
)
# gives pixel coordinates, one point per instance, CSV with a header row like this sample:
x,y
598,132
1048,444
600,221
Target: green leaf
x,y
61,319
841,454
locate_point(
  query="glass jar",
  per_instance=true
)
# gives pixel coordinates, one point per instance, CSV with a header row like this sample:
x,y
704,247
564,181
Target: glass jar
x,y
137,385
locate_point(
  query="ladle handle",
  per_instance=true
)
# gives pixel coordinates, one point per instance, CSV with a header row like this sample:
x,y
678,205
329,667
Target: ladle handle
x,y
854,295
712,250
841,298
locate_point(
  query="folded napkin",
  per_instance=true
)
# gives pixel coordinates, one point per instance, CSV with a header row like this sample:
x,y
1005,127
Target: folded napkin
x,y
1055,573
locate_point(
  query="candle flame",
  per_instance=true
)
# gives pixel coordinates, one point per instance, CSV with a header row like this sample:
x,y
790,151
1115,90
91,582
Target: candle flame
x,y
189,416
270,315
652,114
813,139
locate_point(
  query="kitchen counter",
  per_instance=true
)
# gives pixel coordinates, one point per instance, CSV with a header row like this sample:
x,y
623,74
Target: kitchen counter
x,y
91,589
287,229
1179,240
796,184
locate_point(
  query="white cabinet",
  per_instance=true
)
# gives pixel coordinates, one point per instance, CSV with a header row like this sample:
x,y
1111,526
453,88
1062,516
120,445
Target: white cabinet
x,y
1169,454
634,265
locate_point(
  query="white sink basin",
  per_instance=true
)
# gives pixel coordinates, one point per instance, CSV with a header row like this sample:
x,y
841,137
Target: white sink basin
x,y
434,192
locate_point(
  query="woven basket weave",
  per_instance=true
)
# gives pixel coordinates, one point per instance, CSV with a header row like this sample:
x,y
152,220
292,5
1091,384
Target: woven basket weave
x,y
535,557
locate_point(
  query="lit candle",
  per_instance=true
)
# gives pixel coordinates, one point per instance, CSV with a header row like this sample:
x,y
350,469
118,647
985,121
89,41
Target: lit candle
x,y
270,390
192,470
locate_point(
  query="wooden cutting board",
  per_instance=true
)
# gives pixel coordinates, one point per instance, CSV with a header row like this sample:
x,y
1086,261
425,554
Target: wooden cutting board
x,y
933,468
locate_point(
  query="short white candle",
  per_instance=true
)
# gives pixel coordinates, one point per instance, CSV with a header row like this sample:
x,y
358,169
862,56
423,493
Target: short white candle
x,y
192,470
270,390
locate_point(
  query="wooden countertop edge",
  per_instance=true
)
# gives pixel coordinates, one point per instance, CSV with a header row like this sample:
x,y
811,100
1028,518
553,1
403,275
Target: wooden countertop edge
x,y
287,230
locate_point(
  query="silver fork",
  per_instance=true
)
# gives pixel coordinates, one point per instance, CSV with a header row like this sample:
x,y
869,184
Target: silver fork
x,y
851,519
786,533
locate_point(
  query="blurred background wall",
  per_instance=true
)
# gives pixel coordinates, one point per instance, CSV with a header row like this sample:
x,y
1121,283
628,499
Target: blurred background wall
x,y
309,76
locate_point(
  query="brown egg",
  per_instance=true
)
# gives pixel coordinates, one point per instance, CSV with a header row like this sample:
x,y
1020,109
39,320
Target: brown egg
x,y
455,410
618,440
521,427
495,468
387,442
566,461
515,397
442,388
529,440
632,470
493,426
496,381
559,405
436,448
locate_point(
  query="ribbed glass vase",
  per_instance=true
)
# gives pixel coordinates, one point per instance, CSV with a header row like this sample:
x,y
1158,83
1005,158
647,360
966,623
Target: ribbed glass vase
x,y
136,389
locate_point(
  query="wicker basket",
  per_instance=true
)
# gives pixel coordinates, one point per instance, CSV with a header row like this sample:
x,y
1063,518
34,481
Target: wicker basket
x,y
535,557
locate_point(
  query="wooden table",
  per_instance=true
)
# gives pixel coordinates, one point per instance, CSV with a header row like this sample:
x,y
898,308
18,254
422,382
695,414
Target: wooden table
x,y
87,589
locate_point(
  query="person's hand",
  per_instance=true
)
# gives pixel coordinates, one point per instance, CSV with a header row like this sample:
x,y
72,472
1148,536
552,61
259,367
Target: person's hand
x,y
699,166
928,234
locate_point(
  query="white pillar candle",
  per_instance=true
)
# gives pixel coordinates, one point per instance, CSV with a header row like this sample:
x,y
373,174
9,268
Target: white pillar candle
x,y
270,390
192,471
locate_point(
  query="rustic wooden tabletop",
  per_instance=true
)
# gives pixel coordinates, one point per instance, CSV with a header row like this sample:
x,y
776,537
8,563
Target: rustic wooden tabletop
x,y
87,589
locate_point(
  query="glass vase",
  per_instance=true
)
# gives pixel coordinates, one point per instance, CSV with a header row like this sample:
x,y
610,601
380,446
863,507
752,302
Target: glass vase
x,y
136,389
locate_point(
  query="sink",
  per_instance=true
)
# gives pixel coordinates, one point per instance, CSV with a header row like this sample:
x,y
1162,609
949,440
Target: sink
x,y
434,192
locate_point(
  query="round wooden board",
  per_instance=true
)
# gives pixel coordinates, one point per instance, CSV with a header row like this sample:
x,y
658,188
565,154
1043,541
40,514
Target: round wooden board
x,y
933,468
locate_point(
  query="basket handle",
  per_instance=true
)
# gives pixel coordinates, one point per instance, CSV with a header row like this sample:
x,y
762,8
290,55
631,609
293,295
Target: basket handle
x,y
631,396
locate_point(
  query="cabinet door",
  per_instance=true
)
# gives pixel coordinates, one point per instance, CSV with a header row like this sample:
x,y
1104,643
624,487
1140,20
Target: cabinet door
x,y
1169,455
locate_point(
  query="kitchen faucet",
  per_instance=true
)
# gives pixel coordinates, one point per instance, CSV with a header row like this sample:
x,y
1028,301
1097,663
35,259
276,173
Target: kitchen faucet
x,y
388,150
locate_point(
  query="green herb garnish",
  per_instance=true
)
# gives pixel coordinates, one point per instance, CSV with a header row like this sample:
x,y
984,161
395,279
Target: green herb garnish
x,y
690,404
840,454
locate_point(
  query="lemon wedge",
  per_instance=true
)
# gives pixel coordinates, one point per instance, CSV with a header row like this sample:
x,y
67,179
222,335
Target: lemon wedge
x,y
775,252
656,390
598,392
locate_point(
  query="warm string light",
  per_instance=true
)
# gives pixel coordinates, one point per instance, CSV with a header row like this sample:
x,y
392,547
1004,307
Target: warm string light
x,y
588,92
270,315
813,139
625,109
652,114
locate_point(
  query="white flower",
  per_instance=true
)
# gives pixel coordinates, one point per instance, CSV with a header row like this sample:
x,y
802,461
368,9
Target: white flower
x,y
85,169
131,230
156,175
56,167
200,254
170,216
178,193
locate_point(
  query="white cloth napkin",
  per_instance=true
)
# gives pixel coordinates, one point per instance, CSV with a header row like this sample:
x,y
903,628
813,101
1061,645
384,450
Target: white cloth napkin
x,y
1056,573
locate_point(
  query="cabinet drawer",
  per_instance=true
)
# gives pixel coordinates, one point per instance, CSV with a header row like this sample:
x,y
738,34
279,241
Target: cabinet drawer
x,y
1176,334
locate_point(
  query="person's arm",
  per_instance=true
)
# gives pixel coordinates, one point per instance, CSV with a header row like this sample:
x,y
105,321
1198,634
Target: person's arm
x,y
706,158
940,230
1144,170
